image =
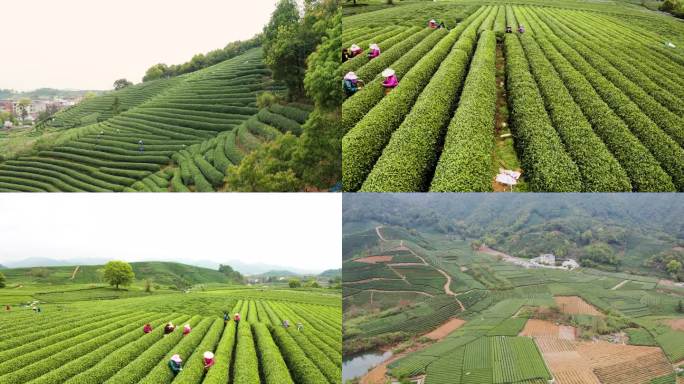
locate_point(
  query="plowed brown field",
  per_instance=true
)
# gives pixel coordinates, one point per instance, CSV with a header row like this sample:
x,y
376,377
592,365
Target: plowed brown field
x,y
374,259
575,305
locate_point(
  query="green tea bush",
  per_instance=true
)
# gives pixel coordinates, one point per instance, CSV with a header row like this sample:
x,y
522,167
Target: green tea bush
x,y
193,370
642,168
406,161
220,372
303,370
208,170
599,170
246,365
549,168
466,163
362,145
273,366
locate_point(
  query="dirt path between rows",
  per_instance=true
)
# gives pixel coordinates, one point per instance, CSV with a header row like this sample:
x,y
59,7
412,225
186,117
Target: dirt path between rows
x,y
73,275
619,285
369,280
447,286
445,329
385,291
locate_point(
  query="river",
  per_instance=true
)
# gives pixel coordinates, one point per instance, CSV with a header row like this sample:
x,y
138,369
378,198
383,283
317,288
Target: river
x,y
357,365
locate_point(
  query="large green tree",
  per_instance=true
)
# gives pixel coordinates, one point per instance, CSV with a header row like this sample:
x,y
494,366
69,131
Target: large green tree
x,y
320,149
2,280
289,39
121,84
118,273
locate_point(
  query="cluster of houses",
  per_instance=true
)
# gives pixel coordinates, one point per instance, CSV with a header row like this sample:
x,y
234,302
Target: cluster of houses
x,y
548,260
34,108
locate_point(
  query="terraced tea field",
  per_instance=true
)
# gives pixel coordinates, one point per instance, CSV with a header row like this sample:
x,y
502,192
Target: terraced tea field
x,y
103,341
513,324
583,100
178,134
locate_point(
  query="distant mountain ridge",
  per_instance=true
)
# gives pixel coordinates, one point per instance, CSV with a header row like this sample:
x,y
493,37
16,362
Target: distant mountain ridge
x,y
243,268
159,272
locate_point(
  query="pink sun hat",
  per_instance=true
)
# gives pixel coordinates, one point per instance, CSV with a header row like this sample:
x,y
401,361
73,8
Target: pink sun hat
x,y
176,358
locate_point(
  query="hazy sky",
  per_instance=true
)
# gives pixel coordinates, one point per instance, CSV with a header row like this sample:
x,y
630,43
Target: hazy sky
x,y
85,44
299,230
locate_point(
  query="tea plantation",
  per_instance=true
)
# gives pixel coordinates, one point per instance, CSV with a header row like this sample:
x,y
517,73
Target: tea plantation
x,y
584,100
177,134
81,336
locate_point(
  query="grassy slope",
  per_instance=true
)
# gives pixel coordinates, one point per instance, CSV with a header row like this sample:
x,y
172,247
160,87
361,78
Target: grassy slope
x,y
159,272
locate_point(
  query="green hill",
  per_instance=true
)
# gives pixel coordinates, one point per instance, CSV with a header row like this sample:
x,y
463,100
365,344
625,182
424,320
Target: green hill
x,y
192,128
163,273
331,273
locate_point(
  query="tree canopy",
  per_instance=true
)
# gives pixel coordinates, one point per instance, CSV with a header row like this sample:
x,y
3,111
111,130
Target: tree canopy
x,y
2,280
230,273
121,84
118,273
199,61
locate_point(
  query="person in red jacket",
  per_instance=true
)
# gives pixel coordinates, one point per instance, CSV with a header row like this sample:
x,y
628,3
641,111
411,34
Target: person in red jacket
x,y
147,329
208,360
186,329
237,319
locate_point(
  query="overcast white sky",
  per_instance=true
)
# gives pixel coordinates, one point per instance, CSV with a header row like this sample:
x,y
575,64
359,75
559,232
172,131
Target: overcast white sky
x,y
86,44
299,230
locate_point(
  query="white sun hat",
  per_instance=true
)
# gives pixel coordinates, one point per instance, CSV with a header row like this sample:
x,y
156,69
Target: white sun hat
x,y
208,355
374,46
433,21
350,76
176,358
388,72
354,47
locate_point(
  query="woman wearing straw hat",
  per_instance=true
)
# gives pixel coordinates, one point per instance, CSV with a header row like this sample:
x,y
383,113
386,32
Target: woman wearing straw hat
x,y
374,51
354,50
208,360
352,83
175,364
390,80
432,23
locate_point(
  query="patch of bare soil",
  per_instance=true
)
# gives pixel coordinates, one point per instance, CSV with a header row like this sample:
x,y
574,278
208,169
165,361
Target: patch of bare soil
x,y
374,259
595,362
445,329
535,327
676,324
575,305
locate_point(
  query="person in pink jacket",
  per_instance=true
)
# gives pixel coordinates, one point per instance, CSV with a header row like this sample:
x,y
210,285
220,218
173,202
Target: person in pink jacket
x,y
186,329
374,51
355,50
391,80
208,360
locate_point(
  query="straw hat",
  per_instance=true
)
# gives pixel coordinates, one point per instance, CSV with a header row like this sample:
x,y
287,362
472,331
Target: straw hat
x,y
187,326
176,358
208,355
374,46
432,21
354,47
388,72
350,76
